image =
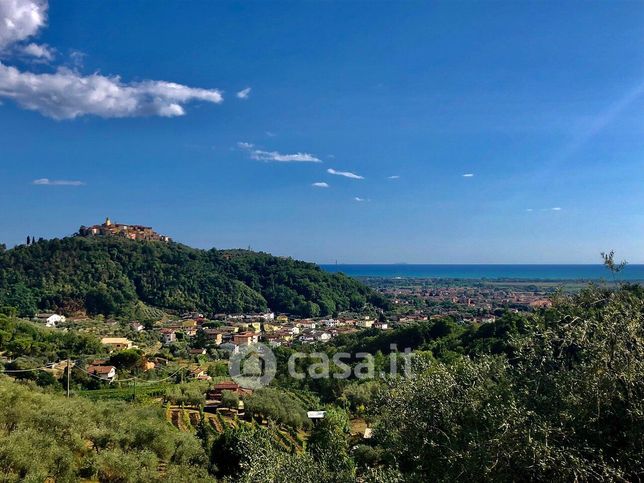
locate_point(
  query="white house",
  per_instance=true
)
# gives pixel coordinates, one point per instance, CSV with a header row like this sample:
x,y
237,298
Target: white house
x,y
54,319
324,337
365,324
106,373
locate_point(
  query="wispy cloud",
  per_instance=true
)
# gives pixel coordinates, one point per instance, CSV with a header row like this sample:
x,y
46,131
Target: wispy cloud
x,y
57,182
346,174
395,176
468,175
556,208
360,200
270,134
275,156
66,94
320,184
40,51
244,93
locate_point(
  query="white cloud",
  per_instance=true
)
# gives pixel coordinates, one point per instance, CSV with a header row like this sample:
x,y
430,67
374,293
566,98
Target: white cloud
x,y
395,176
556,209
346,174
261,155
468,175
270,134
20,19
40,51
320,184
357,198
529,209
57,182
67,95
244,93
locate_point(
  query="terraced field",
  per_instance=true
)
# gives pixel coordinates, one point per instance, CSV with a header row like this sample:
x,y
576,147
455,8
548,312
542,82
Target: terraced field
x,y
188,419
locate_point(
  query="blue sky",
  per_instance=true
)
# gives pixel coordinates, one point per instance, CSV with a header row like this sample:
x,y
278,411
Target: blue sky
x,y
540,103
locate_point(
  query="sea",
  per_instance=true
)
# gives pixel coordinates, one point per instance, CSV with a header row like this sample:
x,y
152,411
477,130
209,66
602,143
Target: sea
x,y
489,272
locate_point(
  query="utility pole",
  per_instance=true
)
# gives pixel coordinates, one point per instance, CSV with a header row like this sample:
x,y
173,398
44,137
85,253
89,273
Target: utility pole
x,y
69,375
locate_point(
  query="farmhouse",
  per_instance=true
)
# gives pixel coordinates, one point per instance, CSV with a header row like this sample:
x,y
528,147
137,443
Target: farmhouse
x,y
106,373
117,343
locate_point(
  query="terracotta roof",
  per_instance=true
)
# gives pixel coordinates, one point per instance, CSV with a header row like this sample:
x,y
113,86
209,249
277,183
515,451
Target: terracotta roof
x,y
226,385
100,369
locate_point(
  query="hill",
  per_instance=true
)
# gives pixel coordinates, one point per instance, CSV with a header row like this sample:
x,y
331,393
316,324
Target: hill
x,y
111,276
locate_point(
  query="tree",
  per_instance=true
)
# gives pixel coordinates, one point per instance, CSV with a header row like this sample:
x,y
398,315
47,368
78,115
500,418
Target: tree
x,y
128,359
230,400
568,406
614,267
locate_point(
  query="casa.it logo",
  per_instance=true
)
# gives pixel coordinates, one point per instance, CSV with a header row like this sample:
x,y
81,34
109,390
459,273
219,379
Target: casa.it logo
x,y
253,366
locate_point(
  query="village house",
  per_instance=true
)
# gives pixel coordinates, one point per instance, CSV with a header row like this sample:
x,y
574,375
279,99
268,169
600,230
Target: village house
x,y
106,373
132,232
292,329
229,347
54,320
137,327
215,335
306,324
274,340
246,326
117,343
192,315
329,323
215,393
199,374
50,320
245,338
169,336
364,323
324,337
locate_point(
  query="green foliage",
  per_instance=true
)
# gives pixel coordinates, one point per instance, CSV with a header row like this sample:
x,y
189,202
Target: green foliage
x,y
190,393
47,436
18,338
251,454
329,442
230,399
277,406
128,359
114,276
568,406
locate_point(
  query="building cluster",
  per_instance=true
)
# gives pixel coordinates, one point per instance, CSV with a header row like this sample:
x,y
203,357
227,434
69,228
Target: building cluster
x,y
233,332
465,303
132,232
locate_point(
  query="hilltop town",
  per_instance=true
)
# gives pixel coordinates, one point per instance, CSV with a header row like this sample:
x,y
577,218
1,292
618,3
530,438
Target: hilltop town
x,y
132,232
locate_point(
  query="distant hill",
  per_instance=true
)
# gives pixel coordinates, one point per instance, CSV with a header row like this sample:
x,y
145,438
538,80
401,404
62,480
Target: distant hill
x,y
112,276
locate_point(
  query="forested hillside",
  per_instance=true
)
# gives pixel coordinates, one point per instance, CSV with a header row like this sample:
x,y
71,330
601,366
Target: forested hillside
x,y
110,275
